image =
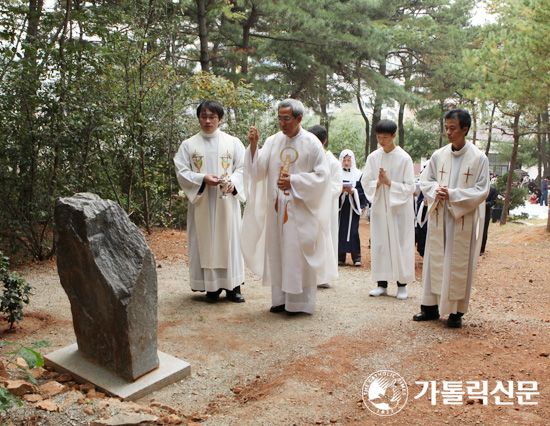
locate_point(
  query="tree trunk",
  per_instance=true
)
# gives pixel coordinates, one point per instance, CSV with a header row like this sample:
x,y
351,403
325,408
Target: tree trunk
x,y
376,115
170,152
490,130
539,146
249,23
441,124
364,115
406,64
324,117
544,155
28,163
203,36
146,212
474,119
33,17
377,111
401,124
515,128
544,144
142,143
62,77
323,103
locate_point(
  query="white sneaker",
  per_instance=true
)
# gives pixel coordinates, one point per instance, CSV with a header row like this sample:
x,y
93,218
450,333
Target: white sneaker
x,y
402,293
324,285
379,291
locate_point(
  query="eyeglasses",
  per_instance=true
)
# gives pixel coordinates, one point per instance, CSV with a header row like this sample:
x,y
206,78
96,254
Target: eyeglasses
x,y
208,117
286,118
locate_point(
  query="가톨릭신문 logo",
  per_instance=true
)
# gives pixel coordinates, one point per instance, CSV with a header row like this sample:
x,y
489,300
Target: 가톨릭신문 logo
x,y
385,393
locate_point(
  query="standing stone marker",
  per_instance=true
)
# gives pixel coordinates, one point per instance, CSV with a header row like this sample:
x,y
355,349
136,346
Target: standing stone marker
x,y
109,275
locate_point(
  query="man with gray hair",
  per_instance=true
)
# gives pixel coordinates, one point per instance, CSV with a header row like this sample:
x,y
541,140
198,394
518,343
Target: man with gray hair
x,y
286,223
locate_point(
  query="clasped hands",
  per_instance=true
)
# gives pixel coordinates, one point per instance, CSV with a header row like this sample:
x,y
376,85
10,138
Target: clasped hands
x,y
442,193
383,178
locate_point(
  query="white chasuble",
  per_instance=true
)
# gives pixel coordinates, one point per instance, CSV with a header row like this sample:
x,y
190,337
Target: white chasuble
x,y
392,215
213,224
454,227
336,184
213,250
287,233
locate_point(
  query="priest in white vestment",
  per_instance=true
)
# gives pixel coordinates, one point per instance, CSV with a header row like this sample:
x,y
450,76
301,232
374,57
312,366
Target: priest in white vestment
x,y
286,223
388,181
336,184
455,183
209,168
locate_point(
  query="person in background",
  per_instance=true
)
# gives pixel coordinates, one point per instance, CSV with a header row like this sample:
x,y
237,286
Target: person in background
x,y
489,203
543,199
420,219
335,190
352,202
388,180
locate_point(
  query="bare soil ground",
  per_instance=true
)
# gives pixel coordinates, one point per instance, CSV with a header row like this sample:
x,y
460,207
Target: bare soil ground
x,y
252,367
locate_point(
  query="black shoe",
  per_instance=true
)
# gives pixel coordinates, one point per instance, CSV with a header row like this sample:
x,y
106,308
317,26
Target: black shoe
x,y
427,313
291,314
234,295
212,296
277,309
455,320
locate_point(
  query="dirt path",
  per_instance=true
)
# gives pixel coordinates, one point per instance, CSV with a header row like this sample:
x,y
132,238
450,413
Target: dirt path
x,y
252,367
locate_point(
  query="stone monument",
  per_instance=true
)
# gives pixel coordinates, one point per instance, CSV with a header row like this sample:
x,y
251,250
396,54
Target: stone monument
x,y
109,275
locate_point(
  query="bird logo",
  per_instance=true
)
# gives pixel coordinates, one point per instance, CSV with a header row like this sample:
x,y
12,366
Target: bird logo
x,y
385,393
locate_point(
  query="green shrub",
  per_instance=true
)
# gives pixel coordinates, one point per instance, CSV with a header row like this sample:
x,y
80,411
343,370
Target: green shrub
x,y
517,195
16,293
31,357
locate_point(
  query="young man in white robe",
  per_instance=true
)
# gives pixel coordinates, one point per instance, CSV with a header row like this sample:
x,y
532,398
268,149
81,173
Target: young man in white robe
x,y
456,184
209,168
388,181
287,216
336,184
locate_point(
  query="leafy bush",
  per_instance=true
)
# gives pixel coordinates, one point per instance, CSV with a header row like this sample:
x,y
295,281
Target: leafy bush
x,y
15,294
517,195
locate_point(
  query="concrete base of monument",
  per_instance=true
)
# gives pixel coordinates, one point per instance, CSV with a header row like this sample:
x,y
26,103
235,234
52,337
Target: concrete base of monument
x,y
71,360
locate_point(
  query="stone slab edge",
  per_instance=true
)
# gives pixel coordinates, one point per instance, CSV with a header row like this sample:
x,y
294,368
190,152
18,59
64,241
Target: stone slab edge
x,y
71,360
